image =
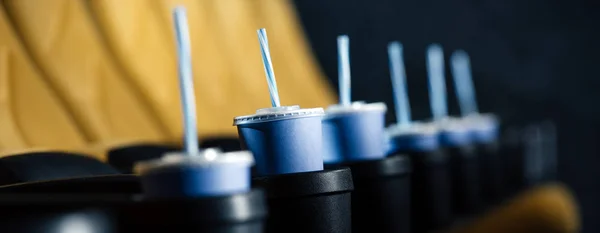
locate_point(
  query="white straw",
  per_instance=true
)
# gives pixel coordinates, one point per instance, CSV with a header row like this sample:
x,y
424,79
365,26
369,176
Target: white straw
x,y
186,82
437,82
463,82
268,65
398,75
343,44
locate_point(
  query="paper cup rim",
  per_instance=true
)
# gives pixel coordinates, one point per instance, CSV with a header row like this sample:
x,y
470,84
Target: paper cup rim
x,y
280,113
415,128
206,157
483,121
355,107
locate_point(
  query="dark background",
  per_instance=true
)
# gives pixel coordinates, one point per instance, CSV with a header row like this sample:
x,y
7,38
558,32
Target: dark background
x,y
532,60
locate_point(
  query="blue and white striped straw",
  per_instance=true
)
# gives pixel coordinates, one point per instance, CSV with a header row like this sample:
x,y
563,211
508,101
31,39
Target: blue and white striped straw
x,y
343,44
268,65
186,82
463,82
437,82
398,75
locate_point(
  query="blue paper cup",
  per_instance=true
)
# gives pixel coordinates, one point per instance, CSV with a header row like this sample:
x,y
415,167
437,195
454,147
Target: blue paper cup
x,y
283,139
354,133
419,137
209,173
485,128
454,132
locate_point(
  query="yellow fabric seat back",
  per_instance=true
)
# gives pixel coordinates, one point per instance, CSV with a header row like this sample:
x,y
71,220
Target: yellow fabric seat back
x,y
228,72
211,74
113,62
235,26
31,115
142,45
297,64
63,40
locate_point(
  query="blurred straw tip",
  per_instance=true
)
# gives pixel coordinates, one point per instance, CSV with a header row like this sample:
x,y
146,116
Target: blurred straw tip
x,y
179,9
395,45
460,55
262,32
343,38
435,47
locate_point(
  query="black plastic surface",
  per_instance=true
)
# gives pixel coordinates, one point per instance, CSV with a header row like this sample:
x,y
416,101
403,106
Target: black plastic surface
x,y
315,202
491,170
228,214
28,220
512,150
42,166
125,157
83,185
306,183
226,144
53,213
430,190
381,196
466,183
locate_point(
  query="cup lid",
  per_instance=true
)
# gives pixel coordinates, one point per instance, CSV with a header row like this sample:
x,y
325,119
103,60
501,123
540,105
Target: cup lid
x,y
357,106
278,113
414,129
205,157
452,125
482,122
